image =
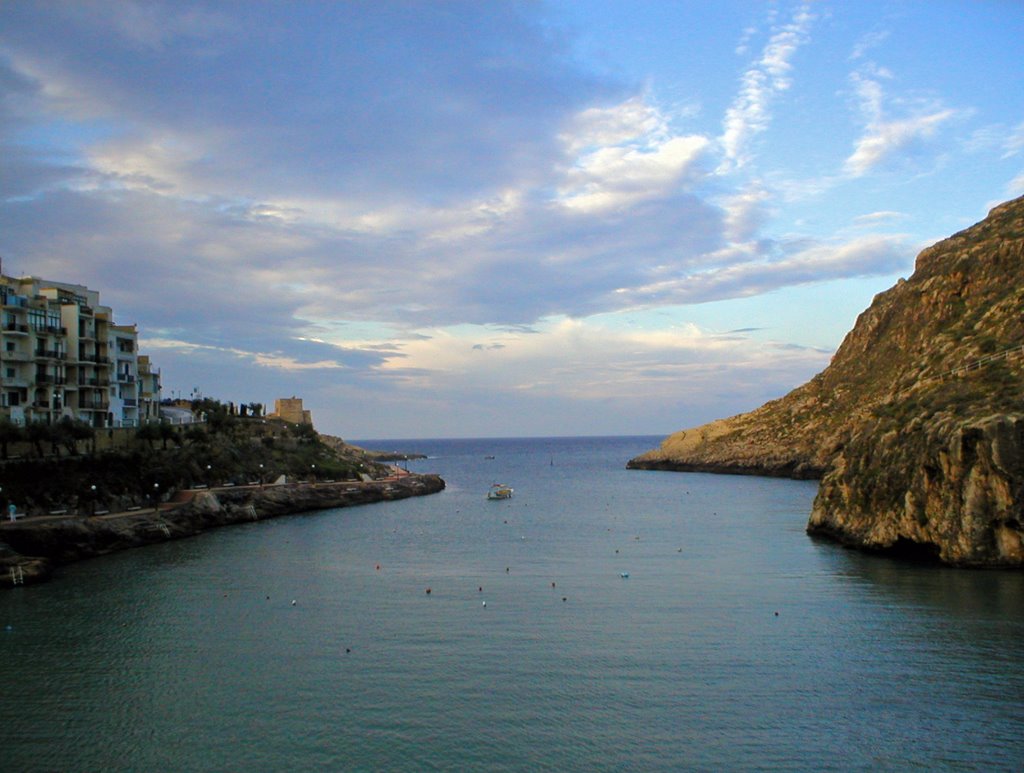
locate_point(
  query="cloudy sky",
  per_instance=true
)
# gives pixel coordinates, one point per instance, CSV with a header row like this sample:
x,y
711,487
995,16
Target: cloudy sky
x,y
447,219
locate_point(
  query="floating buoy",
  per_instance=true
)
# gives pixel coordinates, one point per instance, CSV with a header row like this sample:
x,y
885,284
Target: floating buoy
x,y
506,570
552,585
485,603
776,614
378,567
563,598
428,591
624,575
347,650
294,602
481,589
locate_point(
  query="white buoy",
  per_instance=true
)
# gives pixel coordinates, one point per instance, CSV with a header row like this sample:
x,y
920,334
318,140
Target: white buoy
x,y
485,603
294,602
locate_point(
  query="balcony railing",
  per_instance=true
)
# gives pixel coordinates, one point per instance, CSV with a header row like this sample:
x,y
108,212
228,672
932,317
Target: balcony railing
x,y
130,402
50,354
125,378
92,405
15,327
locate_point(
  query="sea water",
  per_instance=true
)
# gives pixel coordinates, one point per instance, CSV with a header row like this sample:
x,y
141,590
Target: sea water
x,y
601,619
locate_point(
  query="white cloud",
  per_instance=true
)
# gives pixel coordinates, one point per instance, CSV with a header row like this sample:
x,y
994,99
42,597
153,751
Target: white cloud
x,y
818,262
1014,142
885,139
873,219
581,359
624,154
749,113
1016,186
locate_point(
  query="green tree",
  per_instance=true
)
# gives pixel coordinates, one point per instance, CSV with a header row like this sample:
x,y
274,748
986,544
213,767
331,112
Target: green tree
x,y
149,433
68,432
37,433
167,432
9,433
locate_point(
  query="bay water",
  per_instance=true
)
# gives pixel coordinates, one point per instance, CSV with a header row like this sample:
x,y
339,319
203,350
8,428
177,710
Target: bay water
x,y
601,620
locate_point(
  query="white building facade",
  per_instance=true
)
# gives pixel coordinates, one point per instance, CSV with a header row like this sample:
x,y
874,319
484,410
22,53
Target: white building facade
x,y
61,355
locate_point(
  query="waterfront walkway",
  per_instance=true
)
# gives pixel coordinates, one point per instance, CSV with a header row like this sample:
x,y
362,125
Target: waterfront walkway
x,y
183,496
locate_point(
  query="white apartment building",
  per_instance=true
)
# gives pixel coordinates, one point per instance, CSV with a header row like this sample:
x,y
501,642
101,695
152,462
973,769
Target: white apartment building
x,y
62,355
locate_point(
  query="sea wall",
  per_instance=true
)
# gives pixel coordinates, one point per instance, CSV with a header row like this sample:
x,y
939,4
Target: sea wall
x,y
31,548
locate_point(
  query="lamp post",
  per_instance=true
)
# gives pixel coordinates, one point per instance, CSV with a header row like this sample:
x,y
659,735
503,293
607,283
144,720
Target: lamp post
x,y
156,497
92,499
261,474
312,474
209,479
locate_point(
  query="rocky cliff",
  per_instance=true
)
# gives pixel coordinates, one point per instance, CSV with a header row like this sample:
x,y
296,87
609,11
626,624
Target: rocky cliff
x,y
915,427
31,548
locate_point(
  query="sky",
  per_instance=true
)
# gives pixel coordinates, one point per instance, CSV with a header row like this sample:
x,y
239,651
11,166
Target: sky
x,y
487,219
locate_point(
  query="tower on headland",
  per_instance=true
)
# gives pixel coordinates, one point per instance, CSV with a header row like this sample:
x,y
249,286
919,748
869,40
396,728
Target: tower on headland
x,y
290,409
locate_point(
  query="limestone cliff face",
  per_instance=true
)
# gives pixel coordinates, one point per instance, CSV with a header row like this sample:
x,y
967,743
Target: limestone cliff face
x,y
945,489
916,450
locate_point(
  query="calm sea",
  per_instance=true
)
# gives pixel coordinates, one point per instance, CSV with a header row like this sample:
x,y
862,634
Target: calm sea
x,y
735,642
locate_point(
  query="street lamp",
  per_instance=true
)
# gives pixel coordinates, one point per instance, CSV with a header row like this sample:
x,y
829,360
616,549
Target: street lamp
x,y
209,479
261,474
312,475
92,499
156,497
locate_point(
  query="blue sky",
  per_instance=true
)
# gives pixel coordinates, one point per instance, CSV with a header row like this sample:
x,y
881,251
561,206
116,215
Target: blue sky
x,y
492,219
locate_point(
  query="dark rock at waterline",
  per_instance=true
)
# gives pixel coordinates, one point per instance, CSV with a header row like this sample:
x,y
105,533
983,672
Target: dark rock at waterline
x,y
30,547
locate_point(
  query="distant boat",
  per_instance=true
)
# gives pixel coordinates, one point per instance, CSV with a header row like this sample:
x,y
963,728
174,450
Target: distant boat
x,y
488,457
500,491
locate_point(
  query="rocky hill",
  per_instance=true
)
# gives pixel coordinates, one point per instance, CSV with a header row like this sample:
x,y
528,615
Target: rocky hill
x,y
916,428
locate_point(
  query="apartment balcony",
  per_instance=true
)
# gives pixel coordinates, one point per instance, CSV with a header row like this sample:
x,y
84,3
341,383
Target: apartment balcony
x,y
125,378
130,402
15,356
92,405
48,378
50,354
93,382
43,405
62,331
15,327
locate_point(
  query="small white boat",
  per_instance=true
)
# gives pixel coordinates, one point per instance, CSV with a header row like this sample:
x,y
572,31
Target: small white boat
x,y
500,491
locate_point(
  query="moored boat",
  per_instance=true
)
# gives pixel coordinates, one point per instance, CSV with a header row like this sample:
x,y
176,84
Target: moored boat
x,y
499,491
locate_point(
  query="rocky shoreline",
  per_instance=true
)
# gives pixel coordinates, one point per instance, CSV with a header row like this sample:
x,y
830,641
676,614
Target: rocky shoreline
x,y
31,548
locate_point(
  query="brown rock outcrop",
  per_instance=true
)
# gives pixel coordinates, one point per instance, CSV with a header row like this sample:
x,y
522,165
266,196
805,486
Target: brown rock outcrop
x,y
915,426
